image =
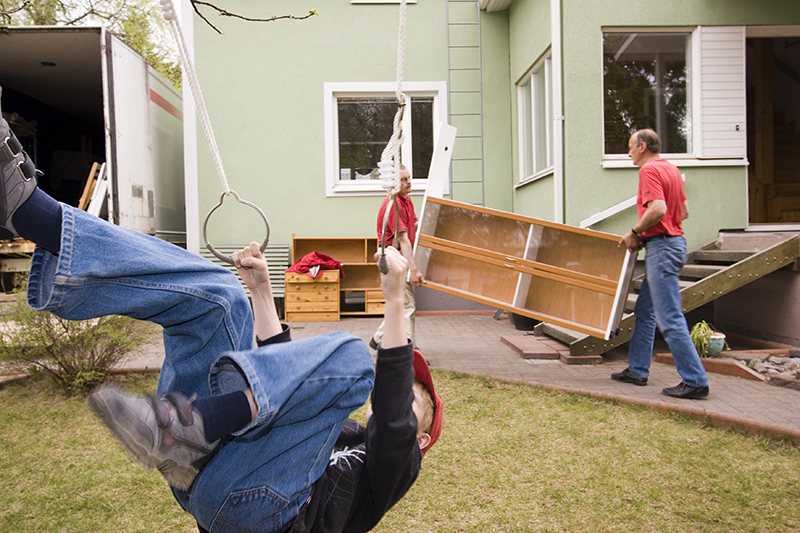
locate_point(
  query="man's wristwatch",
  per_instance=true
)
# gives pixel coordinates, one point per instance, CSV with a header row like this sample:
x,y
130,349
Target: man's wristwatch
x,y
638,235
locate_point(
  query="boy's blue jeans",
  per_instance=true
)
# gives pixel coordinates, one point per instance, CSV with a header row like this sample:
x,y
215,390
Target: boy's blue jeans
x,y
659,303
305,389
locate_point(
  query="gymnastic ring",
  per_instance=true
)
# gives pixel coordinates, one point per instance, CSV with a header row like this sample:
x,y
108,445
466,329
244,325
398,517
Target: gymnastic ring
x,y
226,258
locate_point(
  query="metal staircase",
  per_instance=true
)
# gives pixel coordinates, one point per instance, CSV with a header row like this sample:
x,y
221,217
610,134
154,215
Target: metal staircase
x,y
718,268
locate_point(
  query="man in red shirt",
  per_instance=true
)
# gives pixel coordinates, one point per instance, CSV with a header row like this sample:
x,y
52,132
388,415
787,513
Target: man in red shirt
x,y
662,207
404,228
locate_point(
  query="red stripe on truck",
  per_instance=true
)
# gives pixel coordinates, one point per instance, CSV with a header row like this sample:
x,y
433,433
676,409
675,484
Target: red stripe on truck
x,y
162,102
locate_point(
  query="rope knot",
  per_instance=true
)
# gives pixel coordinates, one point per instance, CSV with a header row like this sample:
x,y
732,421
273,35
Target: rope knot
x,y
168,9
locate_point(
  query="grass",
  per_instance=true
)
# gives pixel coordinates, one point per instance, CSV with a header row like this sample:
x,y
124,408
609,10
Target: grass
x,y
512,458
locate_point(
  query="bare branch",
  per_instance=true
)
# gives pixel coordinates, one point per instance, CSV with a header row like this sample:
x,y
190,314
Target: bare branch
x,y
224,13
7,14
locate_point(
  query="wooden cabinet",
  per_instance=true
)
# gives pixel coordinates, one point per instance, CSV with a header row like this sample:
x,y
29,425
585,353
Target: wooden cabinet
x,y
358,292
312,299
566,276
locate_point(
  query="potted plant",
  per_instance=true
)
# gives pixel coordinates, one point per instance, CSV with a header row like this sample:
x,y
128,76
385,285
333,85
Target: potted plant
x,y
707,340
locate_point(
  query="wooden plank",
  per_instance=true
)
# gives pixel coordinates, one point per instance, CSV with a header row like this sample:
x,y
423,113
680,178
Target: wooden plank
x,y
18,246
88,188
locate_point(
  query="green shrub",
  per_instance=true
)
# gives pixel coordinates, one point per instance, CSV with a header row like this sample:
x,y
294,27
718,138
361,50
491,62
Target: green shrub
x,y
78,355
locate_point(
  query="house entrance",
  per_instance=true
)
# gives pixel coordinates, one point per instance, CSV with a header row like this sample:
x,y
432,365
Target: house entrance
x,y
773,128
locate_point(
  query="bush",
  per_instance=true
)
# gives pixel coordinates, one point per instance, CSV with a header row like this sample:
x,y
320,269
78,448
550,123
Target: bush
x,y
78,355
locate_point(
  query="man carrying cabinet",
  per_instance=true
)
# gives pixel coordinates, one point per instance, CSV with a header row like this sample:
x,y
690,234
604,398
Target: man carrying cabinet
x,y
662,207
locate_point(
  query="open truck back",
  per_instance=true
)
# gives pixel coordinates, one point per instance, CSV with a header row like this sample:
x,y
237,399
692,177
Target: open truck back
x,y
76,96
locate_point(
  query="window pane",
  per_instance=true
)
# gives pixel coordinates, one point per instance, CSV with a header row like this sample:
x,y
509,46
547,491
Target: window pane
x,y
365,126
645,82
422,136
541,114
526,106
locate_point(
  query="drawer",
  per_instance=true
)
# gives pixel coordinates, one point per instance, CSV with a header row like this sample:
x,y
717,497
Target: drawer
x,y
302,277
294,316
306,296
312,288
312,306
376,308
375,296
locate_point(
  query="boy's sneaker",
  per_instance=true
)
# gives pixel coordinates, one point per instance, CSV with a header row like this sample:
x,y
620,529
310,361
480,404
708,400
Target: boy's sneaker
x,y
160,432
18,175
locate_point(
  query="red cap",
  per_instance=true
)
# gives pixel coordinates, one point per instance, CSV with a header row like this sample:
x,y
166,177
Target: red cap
x,y
423,373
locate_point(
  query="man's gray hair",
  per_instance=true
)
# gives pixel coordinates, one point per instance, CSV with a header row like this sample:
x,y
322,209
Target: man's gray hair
x,y
650,138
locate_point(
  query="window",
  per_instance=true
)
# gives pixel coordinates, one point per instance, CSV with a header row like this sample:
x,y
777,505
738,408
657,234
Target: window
x,y
535,106
359,122
646,77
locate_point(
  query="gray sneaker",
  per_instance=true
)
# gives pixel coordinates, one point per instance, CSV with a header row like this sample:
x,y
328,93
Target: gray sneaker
x,y
159,432
18,175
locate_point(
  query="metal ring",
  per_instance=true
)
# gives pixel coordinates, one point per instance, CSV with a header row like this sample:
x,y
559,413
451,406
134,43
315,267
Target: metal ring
x,y
226,258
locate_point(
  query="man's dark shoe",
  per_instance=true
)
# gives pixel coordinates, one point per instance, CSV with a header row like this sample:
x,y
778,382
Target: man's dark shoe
x,y
373,344
685,391
159,432
17,175
626,376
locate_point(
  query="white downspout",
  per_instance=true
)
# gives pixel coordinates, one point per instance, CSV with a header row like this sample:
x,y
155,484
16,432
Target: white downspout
x,y
558,112
190,163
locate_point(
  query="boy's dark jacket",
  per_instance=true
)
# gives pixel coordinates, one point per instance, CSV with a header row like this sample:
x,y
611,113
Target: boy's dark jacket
x,y
371,468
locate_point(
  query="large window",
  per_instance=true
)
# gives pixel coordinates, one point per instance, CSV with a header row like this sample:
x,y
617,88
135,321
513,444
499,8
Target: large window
x,y
535,106
359,123
647,84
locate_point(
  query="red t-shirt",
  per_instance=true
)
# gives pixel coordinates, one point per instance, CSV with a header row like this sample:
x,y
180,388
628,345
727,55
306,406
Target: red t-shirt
x,y
408,219
661,180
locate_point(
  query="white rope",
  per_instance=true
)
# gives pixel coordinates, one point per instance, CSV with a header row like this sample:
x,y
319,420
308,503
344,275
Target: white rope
x,y
170,16
389,165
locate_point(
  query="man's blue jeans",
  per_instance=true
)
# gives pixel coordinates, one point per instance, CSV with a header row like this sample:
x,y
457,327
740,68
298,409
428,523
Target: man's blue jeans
x,y
305,389
659,303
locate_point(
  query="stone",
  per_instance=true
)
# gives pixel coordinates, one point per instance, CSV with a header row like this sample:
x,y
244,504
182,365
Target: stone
x,y
776,360
784,379
794,352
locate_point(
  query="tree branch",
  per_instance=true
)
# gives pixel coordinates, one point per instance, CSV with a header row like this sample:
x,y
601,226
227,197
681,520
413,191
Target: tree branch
x,y
224,13
7,14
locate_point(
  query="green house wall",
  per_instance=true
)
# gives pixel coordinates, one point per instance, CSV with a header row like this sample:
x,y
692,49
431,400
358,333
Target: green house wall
x,y
263,86
717,195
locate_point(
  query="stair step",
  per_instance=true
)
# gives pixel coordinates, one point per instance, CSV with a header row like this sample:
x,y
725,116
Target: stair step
x,y
700,271
636,284
718,256
567,336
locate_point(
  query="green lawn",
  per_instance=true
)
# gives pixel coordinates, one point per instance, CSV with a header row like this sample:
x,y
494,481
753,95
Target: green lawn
x,y
512,458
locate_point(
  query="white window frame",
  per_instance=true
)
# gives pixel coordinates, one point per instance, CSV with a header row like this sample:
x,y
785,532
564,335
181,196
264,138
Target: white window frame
x,y
334,186
524,113
702,155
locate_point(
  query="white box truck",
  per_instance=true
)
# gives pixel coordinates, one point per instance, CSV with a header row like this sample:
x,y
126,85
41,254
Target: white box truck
x,y
76,96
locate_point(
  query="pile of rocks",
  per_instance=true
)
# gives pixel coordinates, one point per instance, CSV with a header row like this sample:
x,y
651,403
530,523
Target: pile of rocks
x,y
781,370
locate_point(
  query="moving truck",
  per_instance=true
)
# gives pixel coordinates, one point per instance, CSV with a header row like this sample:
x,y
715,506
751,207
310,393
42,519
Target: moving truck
x,y
79,96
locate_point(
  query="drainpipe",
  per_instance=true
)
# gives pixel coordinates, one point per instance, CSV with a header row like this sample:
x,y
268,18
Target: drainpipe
x,y
558,112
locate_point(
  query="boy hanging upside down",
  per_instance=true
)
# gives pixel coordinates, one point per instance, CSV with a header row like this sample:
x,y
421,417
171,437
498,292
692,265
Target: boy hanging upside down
x,y
249,438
